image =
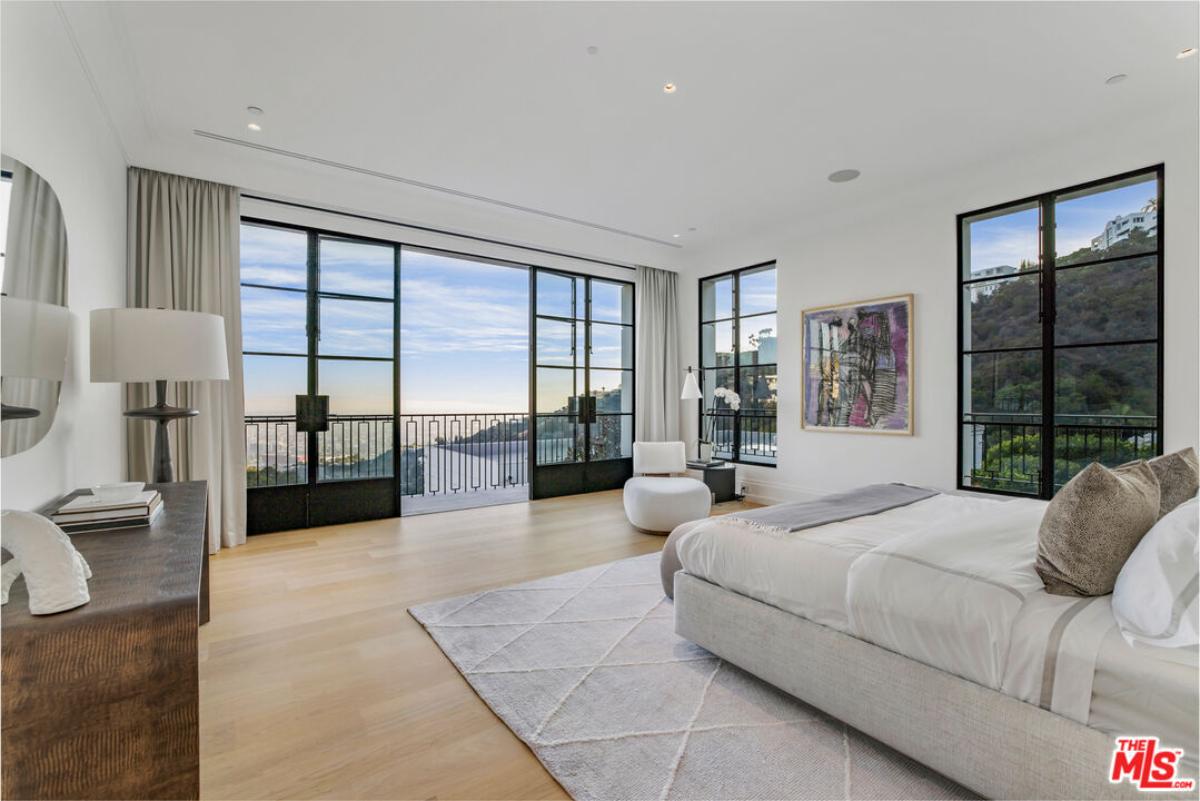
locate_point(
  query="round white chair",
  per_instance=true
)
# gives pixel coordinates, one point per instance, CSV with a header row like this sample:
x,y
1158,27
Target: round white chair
x,y
660,501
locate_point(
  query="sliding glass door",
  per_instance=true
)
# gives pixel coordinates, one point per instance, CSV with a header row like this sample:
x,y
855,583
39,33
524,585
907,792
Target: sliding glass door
x,y
581,383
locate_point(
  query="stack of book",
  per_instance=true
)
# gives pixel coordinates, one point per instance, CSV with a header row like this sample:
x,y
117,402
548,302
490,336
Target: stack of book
x,y
89,513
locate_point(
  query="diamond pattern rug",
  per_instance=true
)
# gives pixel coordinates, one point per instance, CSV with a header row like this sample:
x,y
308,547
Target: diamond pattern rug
x,y
587,670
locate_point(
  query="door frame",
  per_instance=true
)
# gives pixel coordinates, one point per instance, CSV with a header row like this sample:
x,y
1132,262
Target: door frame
x,y
586,474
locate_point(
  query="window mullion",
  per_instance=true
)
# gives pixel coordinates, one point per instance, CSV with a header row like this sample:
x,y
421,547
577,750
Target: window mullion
x,y
1046,488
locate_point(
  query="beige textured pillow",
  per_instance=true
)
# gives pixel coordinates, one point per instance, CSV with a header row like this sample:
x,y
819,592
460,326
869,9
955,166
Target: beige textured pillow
x,y
1092,526
1178,477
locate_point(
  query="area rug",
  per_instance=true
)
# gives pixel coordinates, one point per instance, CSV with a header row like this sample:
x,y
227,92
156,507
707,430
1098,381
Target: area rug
x,y
586,669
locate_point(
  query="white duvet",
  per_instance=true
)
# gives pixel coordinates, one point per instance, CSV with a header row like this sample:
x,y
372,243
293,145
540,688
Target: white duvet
x,y
950,581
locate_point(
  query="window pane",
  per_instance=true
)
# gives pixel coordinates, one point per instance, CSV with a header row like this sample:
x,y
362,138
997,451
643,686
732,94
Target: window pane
x,y
1002,456
358,443
1001,243
716,299
274,321
272,384
757,345
717,344
357,268
356,328
556,295
274,256
276,453
1107,302
612,346
721,378
356,388
1113,384
1077,446
612,437
612,302
757,441
1008,384
1118,219
612,391
759,390
559,440
756,291
1001,314
554,342
555,388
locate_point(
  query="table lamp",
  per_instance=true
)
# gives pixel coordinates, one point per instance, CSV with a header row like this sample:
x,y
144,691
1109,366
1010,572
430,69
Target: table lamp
x,y
158,345
33,344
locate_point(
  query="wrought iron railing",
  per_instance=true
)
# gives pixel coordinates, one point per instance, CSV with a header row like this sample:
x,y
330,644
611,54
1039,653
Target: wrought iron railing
x,y
1004,451
439,453
756,433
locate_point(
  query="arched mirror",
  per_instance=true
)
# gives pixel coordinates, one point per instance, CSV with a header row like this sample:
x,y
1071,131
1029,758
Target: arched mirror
x,y
33,314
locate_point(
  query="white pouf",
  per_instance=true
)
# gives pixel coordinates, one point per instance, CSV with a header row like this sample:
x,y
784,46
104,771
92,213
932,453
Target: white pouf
x,y
660,503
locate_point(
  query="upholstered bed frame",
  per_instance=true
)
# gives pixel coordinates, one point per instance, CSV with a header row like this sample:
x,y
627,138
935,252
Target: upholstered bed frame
x,y
996,745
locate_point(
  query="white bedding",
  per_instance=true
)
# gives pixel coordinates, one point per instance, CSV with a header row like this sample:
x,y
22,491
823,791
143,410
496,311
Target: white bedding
x,y
950,581
804,572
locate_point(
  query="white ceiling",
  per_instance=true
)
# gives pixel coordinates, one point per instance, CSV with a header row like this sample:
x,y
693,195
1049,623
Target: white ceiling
x,y
503,100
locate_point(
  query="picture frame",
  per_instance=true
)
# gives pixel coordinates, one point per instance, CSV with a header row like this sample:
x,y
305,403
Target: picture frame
x,y
857,368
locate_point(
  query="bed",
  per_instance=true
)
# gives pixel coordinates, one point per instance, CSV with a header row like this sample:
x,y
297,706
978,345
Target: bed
x,y
927,627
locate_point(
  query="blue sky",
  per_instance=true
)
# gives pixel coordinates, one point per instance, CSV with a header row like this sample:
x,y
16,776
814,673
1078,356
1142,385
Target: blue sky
x,y
464,342
1011,237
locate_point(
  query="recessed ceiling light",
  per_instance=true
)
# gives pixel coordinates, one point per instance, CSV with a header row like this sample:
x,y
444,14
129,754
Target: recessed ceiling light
x,y
692,228
254,126
676,236
592,50
255,110
669,88
842,176
1185,53
1120,76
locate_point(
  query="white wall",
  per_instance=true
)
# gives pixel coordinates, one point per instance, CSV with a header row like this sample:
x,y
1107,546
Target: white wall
x,y
52,122
875,246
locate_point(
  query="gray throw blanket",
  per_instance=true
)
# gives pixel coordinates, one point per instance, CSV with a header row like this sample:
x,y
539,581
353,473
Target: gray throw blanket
x,y
869,500
798,515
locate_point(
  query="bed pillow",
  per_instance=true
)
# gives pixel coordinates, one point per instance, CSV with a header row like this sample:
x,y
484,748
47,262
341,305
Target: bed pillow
x,y
1155,600
1178,477
1092,525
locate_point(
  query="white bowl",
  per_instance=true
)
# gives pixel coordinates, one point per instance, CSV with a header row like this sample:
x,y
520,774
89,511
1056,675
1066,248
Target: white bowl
x,y
116,493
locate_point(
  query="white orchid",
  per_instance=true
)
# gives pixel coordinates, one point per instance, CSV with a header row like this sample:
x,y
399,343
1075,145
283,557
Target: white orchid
x,y
731,398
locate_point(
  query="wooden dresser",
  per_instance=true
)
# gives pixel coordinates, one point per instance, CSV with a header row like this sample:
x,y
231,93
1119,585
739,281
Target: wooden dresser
x,y
102,701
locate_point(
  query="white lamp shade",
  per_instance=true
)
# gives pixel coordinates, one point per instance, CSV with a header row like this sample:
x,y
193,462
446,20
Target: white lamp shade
x,y
33,339
136,345
691,390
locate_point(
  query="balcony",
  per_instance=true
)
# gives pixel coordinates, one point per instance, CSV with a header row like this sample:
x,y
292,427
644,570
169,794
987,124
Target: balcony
x,y
1003,451
447,461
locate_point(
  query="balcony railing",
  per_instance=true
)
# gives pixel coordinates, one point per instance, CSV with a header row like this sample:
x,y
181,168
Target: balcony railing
x,y
1003,451
756,430
440,454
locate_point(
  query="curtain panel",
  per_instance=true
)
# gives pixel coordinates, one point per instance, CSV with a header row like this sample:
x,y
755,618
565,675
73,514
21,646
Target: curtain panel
x,y
183,254
657,359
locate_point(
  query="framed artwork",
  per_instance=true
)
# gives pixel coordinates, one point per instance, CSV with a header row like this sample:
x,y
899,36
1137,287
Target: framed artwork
x,y
858,367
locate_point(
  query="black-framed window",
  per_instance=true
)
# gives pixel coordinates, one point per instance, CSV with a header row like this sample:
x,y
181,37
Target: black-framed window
x,y
318,318
738,334
1060,334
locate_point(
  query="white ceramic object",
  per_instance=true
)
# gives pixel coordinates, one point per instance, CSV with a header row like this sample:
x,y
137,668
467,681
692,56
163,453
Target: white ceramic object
x,y
116,493
55,573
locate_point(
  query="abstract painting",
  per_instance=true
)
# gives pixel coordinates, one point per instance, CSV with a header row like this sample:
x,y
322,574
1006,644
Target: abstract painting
x,y
858,367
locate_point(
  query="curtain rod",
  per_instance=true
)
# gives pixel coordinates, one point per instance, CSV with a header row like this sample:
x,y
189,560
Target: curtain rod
x,y
431,230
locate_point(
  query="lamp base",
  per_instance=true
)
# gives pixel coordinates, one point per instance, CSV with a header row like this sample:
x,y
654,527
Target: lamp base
x,y
18,412
161,413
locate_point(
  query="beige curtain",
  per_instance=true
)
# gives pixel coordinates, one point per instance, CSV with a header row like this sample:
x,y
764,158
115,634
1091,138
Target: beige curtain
x,y
35,268
659,379
183,254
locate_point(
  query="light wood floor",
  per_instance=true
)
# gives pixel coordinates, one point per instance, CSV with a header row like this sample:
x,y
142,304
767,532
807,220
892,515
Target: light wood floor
x,y
316,683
